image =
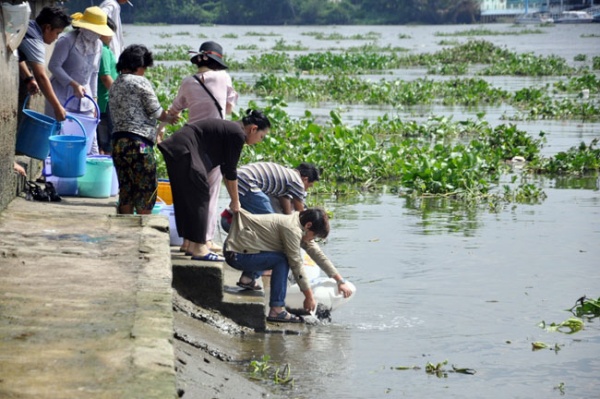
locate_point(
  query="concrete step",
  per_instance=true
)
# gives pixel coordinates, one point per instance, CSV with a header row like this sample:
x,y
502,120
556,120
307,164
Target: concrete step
x,y
213,285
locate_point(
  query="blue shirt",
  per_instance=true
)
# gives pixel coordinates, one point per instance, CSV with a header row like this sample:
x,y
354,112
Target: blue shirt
x,y
32,47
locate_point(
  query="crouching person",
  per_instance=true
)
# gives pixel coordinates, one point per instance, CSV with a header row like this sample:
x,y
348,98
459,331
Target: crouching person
x,y
273,242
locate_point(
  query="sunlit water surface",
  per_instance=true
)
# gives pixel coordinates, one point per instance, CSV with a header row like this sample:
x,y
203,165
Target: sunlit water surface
x,y
438,280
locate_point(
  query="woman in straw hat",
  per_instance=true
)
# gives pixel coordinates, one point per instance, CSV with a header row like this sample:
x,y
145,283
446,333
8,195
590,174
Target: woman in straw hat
x,y
207,94
75,62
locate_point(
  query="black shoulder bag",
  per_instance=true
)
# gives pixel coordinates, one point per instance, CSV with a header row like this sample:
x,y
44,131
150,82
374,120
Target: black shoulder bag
x,y
211,96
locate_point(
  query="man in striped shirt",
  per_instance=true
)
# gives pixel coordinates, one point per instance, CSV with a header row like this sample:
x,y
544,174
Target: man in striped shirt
x,y
260,182
267,187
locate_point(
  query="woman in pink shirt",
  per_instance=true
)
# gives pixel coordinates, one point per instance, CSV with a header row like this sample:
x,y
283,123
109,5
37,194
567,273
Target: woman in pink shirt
x,y
207,94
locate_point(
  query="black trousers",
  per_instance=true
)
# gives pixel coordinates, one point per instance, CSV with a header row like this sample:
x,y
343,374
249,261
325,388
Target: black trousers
x,y
189,185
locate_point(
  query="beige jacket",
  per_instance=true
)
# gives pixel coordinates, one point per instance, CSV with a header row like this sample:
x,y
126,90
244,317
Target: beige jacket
x,y
251,234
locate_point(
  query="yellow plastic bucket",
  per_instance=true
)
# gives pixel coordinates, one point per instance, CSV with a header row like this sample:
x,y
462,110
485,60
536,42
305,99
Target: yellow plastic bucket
x,y
164,191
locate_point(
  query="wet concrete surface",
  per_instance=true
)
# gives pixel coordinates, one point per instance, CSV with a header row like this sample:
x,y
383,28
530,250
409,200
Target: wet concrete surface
x,y
87,310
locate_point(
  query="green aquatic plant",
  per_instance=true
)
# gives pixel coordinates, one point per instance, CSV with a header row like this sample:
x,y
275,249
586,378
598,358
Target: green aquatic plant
x,y
339,36
569,326
586,307
437,369
246,47
260,367
577,160
253,33
587,81
284,377
537,345
276,61
281,45
369,48
481,31
172,53
262,370
529,64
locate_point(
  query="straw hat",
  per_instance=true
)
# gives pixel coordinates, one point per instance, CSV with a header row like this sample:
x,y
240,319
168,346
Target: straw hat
x,y
211,50
94,19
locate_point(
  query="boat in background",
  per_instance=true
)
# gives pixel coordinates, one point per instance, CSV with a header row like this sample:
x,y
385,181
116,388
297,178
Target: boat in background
x,y
574,17
534,19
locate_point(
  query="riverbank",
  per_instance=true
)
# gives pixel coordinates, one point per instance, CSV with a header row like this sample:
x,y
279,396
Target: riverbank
x,y
88,310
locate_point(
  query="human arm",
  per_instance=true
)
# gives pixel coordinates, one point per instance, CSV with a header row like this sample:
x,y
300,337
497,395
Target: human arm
x,y
39,72
56,64
28,78
309,301
106,80
229,108
316,254
289,205
232,189
232,97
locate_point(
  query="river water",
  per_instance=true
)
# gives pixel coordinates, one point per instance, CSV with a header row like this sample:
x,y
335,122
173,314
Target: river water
x,y
438,280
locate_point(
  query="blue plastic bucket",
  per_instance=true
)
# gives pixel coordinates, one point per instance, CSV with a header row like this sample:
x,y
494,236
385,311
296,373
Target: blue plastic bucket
x,y
89,124
33,133
67,154
97,181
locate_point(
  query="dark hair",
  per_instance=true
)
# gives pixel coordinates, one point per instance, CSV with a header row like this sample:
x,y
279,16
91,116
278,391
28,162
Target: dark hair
x,y
53,16
256,117
319,219
309,171
111,24
133,57
200,61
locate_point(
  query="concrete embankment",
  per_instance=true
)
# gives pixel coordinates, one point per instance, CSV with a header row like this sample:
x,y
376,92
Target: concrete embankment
x,y
87,310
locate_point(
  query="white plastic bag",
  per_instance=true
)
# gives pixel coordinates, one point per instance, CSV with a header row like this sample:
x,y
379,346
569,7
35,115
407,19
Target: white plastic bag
x,y
16,20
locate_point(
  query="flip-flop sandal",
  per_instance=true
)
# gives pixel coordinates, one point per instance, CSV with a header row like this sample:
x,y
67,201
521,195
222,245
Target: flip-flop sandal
x,y
252,285
34,191
283,318
209,257
51,191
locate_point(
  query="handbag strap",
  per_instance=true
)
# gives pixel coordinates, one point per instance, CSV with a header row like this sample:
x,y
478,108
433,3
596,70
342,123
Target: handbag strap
x,y
211,96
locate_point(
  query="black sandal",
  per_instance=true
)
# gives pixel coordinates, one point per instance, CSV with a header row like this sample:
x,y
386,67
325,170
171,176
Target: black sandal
x,y
51,192
35,192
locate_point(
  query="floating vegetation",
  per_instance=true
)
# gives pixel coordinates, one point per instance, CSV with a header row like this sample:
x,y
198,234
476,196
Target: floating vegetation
x,y
480,31
537,345
230,36
262,370
281,45
569,326
246,47
577,160
252,33
172,53
445,42
370,48
339,36
586,307
370,57
438,369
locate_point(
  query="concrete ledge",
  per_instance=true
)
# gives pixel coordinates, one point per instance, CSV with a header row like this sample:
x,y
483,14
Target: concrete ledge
x,y
85,303
199,282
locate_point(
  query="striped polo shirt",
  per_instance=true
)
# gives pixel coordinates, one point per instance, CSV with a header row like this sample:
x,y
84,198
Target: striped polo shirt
x,y
272,179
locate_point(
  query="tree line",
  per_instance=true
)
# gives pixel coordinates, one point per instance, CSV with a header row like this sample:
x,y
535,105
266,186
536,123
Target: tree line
x,y
293,12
